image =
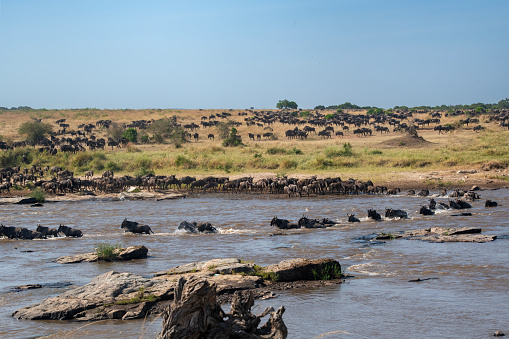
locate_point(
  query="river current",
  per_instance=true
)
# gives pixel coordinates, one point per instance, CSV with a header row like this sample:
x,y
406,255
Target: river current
x,y
469,298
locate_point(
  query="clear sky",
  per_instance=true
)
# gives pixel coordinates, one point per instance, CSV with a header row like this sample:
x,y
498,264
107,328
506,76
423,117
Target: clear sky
x,y
241,54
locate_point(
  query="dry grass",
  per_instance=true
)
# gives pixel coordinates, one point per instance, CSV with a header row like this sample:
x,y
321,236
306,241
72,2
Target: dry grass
x,y
372,157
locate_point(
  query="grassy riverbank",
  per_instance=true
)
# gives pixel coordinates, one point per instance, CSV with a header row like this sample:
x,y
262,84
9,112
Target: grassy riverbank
x,y
380,157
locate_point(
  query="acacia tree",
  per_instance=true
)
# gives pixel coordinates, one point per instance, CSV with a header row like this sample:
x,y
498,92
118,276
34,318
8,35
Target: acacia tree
x,y
35,131
167,128
286,104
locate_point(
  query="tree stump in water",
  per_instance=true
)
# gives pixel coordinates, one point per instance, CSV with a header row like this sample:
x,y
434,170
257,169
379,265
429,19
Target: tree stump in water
x,y
195,314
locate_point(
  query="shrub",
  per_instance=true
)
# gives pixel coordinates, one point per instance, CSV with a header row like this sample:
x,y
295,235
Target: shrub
x,y
276,150
39,195
233,139
328,272
131,134
144,139
106,251
288,163
294,151
182,161
142,171
115,131
82,158
35,131
260,272
346,151
113,166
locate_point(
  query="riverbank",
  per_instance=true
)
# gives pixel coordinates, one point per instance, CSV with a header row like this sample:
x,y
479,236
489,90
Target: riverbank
x,y
432,180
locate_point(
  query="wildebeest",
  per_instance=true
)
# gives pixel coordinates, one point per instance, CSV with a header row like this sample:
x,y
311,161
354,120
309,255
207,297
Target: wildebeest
x,y
390,213
69,232
310,223
433,205
373,214
47,231
283,223
352,218
134,227
19,233
490,203
426,211
194,227
459,204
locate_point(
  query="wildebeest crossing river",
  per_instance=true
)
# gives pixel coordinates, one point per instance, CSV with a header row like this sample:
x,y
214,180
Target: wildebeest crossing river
x,y
468,300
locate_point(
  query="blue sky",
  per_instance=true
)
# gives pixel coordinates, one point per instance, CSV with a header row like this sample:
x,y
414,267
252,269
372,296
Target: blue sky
x,y
241,54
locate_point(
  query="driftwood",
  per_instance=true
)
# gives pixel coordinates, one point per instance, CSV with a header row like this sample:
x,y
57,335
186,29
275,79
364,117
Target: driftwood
x,y
195,313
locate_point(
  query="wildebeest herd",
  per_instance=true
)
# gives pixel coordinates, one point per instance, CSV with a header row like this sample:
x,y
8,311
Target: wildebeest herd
x,y
456,204
42,232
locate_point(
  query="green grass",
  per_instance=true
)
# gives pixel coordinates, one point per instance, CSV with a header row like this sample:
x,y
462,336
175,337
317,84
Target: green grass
x,y
39,195
106,251
328,272
260,272
138,298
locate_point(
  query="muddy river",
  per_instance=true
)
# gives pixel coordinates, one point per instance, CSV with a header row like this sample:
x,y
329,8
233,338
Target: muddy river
x,y
469,298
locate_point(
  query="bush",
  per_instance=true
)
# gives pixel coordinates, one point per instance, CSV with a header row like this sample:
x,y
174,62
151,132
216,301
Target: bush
x,y
144,139
182,161
294,151
346,151
276,150
113,166
142,171
39,195
131,134
35,131
106,251
115,131
328,272
233,139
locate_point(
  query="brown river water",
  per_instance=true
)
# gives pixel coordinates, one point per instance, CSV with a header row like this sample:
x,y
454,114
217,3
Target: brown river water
x,y
469,299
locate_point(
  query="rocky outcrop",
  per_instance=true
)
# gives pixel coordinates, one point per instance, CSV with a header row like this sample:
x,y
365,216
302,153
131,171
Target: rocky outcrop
x,y
114,295
444,234
129,253
436,234
106,296
195,313
220,266
304,269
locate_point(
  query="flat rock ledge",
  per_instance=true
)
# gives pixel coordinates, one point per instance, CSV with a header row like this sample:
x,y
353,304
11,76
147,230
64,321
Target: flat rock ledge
x,y
129,253
114,295
441,235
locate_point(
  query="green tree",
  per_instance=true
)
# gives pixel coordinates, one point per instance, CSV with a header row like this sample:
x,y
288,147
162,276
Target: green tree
x,y
131,134
35,131
167,128
233,139
115,131
286,104
503,104
224,129
375,110
319,107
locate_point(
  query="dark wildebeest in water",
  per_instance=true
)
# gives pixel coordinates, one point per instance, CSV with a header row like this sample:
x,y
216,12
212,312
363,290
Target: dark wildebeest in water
x,y
352,218
134,227
47,231
283,223
390,213
19,233
373,214
69,232
194,227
